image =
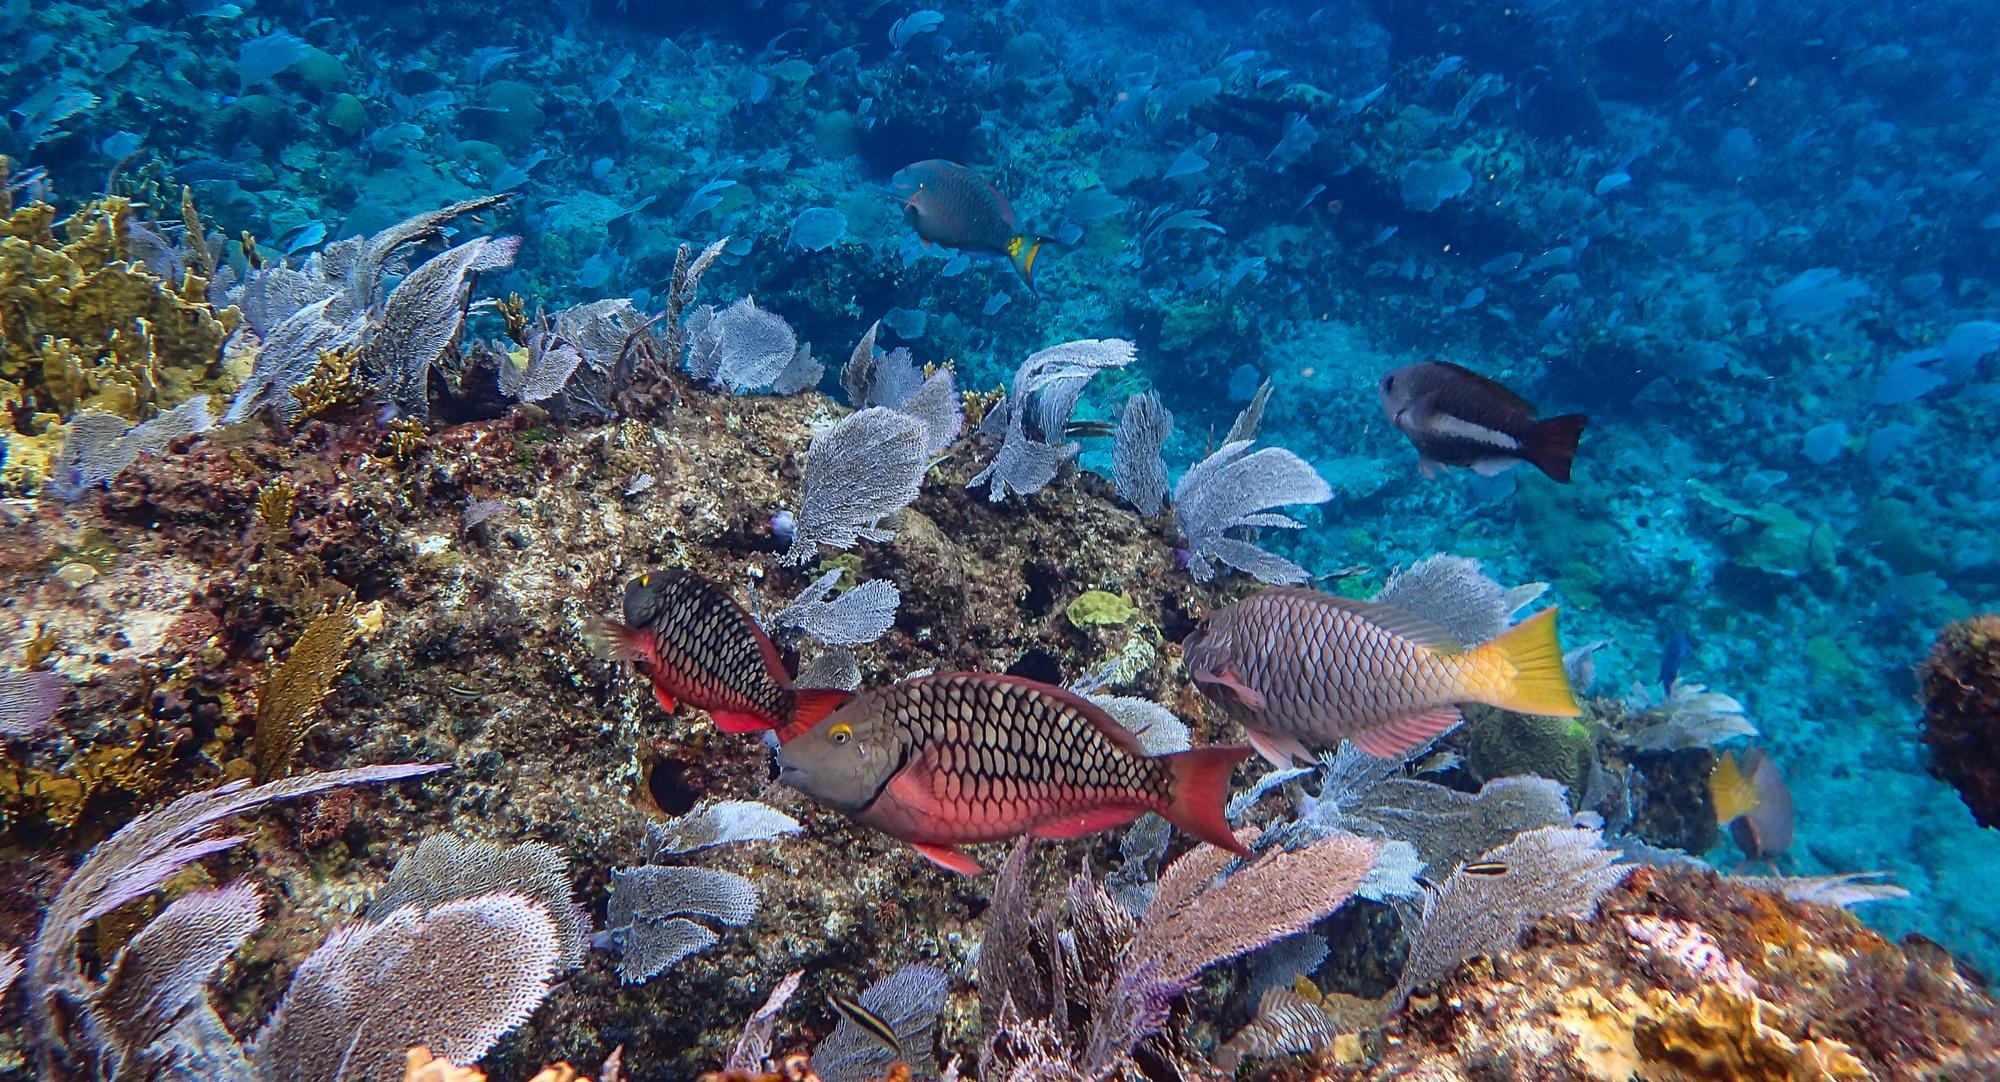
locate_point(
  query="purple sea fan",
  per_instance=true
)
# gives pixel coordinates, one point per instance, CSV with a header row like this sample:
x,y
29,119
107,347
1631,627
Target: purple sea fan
x,y
1233,489
859,472
28,701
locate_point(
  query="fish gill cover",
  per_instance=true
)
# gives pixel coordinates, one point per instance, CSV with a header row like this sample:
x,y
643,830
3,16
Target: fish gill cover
x,y
439,320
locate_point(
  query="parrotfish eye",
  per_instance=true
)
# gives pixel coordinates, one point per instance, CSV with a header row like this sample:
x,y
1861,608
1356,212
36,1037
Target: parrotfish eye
x,y
840,734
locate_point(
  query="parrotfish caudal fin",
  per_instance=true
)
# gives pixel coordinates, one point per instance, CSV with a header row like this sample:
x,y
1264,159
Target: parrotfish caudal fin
x,y
813,706
1540,685
1200,789
1551,444
1735,795
1021,251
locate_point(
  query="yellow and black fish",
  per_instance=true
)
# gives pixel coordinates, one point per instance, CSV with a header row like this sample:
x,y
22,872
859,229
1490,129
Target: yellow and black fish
x,y
948,204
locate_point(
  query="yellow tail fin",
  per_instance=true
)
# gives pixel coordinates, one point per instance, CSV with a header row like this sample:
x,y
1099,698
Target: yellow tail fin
x,y
1540,685
1734,793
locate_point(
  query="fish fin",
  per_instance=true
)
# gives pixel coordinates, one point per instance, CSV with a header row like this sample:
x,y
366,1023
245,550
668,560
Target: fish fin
x,y
1494,467
1089,822
948,857
666,701
1277,749
1021,251
736,721
1429,467
1405,735
1540,684
814,705
1244,693
610,639
1200,788
1551,444
1734,794
1399,622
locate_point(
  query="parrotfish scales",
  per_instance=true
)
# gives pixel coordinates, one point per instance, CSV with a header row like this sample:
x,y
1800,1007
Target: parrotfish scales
x,y
956,758
698,646
1299,668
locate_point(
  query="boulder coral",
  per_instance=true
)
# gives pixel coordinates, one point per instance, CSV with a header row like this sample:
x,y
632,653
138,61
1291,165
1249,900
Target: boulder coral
x,y
1961,695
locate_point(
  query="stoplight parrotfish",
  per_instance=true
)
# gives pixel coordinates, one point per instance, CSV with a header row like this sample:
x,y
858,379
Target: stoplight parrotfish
x,y
1457,417
958,758
949,204
1299,668
698,646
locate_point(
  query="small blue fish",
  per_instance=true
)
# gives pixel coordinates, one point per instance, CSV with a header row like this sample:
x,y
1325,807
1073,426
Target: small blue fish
x,y
1673,655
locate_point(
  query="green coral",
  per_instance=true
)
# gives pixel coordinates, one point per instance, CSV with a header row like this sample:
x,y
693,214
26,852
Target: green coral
x,y
1771,537
1100,608
1505,744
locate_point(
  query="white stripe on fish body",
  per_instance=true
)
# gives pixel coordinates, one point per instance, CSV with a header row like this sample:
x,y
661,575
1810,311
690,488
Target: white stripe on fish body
x,y
1444,424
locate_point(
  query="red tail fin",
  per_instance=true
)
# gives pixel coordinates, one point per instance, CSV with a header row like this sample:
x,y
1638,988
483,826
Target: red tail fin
x,y
813,706
1201,787
1551,444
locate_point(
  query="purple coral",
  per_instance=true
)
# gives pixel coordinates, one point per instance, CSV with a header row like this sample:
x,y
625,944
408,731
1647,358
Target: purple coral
x,y
28,701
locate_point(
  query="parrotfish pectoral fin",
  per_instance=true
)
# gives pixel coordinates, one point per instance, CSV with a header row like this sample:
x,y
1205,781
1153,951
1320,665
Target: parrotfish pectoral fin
x,y
1278,749
733,721
1540,684
949,858
1244,693
1405,735
1090,822
1429,468
665,700
1494,467
1200,789
611,639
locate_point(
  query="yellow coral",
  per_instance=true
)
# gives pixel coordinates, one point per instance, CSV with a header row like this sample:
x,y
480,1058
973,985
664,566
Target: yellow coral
x,y
1730,1036
288,703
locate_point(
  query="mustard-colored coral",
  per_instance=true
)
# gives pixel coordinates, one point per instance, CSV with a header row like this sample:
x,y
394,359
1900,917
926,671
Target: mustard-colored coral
x,y
1728,1036
85,325
288,703
335,386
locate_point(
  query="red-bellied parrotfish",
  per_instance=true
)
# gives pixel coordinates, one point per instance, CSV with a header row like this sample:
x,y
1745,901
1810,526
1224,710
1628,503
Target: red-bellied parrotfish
x,y
957,758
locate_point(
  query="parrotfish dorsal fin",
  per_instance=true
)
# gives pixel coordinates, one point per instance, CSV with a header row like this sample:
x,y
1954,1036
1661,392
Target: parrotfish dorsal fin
x,y
1396,621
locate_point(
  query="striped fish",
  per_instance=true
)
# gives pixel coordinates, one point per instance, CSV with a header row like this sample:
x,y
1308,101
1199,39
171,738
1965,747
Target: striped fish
x,y
698,646
1299,668
955,758
1457,417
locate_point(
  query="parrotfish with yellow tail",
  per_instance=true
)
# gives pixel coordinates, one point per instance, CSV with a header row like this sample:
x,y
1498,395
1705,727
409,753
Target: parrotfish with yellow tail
x,y
958,758
950,205
1301,669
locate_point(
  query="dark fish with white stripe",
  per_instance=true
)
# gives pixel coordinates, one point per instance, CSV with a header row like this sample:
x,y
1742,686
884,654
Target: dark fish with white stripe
x,y
956,758
1457,417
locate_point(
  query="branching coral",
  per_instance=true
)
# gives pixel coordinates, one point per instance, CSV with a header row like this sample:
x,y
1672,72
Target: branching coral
x,y
87,326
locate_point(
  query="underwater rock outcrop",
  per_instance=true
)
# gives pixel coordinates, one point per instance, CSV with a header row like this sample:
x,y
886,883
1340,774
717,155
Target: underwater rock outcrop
x,y
1961,695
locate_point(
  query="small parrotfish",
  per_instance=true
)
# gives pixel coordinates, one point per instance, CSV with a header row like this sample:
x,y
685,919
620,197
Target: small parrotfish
x,y
950,205
957,758
1299,668
1753,801
698,646
1457,417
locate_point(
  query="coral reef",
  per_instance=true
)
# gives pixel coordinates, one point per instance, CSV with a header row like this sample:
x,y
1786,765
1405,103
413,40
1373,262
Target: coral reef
x,y
1961,695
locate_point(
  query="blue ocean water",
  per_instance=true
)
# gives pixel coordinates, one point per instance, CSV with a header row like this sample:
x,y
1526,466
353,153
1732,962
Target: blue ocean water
x,y
1753,241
